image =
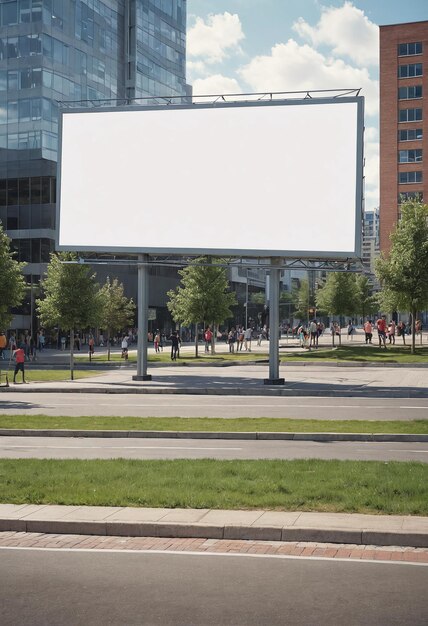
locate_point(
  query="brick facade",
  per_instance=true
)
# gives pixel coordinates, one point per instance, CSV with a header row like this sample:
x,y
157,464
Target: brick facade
x,y
390,105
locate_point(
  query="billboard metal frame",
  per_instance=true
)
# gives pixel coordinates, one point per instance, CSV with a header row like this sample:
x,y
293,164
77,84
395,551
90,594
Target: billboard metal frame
x,y
273,260
221,102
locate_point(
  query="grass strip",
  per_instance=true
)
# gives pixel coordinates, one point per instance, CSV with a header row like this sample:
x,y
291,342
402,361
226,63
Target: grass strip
x,y
213,424
48,375
299,485
362,353
185,357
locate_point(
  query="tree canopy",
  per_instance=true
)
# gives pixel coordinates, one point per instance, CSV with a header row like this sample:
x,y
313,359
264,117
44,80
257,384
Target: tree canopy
x,y
12,281
339,295
117,310
403,273
71,296
203,295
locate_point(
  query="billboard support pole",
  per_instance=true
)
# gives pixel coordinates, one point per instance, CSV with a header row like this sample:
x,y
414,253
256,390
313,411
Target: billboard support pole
x,y
143,310
274,280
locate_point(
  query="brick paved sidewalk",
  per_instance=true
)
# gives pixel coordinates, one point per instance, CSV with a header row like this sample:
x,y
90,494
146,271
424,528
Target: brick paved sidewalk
x,y
273,548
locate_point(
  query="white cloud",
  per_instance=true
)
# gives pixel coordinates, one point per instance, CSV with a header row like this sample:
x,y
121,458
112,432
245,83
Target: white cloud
x,y
215,84
347,31
294,67
216,38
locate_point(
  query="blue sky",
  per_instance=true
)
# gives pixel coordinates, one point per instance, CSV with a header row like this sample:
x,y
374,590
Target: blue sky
x,y
240,46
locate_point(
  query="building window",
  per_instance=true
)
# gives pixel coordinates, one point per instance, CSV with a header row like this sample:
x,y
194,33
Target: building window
x,y
408,49
410,195
409,156
410,134
410,115
410,70
9,13
409,93
407,178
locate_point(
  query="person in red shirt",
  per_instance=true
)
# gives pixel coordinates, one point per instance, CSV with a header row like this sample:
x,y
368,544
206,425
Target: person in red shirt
x,y
381,331
208,335
19,355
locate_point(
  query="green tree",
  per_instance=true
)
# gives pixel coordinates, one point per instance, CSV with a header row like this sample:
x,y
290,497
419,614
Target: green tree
x,y
367,302
403,273
117,310
202,297
300,296
338,296
12,282
71,297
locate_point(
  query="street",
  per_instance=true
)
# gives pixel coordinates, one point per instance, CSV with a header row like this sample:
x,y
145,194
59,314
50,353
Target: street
x,y
93,587
129,448
136,405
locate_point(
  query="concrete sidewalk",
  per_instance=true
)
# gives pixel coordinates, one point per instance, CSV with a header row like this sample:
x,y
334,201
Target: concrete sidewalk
x,y
217,524
311,380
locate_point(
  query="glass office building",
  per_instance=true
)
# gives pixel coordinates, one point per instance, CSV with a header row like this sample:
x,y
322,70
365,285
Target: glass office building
x,y
53,51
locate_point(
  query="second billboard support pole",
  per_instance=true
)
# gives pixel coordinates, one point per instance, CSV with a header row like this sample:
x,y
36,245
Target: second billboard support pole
x,y
143,309
274,281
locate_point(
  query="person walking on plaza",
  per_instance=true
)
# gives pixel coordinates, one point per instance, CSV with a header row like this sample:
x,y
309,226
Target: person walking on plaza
x,y
240,338
3,344
231,340
247,339
156,341
381,331
368,331
208,335
313,330
401,331
391,332
124,347
175,345
19,355
91,344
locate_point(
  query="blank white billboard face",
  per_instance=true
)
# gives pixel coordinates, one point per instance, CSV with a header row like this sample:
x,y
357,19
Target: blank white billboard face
x,y
257,180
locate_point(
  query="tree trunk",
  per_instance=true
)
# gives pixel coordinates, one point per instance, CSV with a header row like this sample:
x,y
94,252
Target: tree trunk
x,y
412,349
108,344
72,354
196,340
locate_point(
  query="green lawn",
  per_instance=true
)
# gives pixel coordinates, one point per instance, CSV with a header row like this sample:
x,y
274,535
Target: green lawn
x,y
209,424
186,357
362,353
301,485
46,375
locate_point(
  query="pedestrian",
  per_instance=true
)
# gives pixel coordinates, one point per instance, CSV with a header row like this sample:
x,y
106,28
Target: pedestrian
x,y
124,347
391,332
247,339
91,345
401,331
63,342
19,355
208,335
41,341
240,338
368,331
156,341
231,339
313,330
381,331
350,329
3,344
175,345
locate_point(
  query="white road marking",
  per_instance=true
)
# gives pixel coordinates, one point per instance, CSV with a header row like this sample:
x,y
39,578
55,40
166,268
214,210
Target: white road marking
x,y
34,447
231,554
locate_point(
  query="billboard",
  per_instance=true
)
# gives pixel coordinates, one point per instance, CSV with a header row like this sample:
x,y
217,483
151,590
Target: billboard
x,y
266,178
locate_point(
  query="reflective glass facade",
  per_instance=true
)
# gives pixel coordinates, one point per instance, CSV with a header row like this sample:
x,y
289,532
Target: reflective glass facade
x,y
71,50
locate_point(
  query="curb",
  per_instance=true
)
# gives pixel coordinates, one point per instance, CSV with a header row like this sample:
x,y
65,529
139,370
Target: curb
x,y
256,436
387,392
233,532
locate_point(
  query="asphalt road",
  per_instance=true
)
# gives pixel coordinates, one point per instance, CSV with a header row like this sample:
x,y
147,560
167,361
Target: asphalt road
x,y
214,406
98,448
65,588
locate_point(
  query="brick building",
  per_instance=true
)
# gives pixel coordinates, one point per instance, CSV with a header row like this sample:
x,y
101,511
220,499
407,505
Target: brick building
x,y
403,120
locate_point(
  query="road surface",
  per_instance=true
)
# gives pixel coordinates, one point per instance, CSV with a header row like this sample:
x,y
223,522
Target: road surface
x,y
98,448
65,588
214,406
